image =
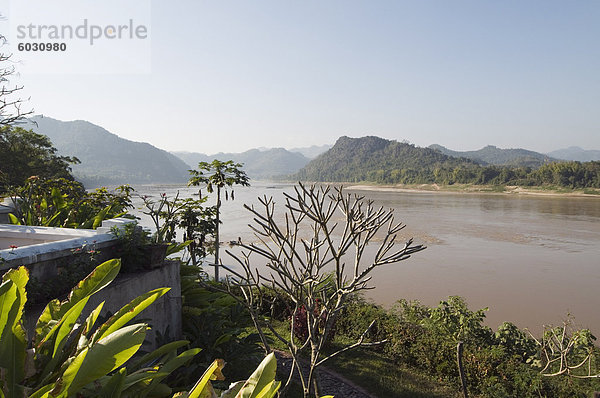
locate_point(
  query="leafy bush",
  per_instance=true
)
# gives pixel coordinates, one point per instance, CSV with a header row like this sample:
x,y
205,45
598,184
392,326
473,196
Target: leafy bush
x,y
504,363
64,203
217,323
25,154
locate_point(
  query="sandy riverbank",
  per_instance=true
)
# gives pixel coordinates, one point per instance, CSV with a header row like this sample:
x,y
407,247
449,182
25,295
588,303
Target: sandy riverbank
x,y
466,189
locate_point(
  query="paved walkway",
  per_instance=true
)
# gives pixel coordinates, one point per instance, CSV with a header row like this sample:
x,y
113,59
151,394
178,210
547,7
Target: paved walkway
x,y
330,382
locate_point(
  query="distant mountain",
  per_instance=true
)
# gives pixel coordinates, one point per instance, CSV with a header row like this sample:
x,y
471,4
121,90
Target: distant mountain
x,y
376,159
258,164
576,153
107,159
491,155
311,152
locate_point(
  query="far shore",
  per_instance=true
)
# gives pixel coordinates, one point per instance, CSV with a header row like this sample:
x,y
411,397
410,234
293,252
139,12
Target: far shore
x,y
479,189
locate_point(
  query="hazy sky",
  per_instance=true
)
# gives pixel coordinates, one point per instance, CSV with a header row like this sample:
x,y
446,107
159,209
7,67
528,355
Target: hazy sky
x,y
232,75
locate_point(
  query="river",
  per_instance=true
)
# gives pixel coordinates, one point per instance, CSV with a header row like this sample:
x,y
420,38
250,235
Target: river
x,y
531,259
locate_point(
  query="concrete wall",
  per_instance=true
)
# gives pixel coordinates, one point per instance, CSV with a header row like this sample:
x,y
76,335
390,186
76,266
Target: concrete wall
x,y
164,315
4,210
45,250
48,252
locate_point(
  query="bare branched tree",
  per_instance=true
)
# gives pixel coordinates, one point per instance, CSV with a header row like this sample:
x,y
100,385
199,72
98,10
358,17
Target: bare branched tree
x,y
568,352
317,258
11,111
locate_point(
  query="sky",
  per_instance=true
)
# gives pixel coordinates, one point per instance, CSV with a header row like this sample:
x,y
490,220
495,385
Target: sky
x,y
227,76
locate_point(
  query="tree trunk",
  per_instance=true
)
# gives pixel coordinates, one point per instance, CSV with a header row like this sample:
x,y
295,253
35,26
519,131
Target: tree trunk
x,y
461,370
217,234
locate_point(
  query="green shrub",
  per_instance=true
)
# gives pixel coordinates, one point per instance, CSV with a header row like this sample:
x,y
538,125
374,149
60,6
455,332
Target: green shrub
x,y
504,363
216,323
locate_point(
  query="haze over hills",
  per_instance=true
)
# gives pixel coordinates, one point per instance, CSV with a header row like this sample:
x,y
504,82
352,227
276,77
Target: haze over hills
x,y
107,159
371,158
491,155
311,152
258,164
576,153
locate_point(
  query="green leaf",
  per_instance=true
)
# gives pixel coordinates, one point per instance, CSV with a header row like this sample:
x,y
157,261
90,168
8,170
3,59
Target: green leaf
x,y
177,247
100,217
66,324
91,319
159,352
204,382
270,390
61,329
13,219
170,366
98,279
135,380
262,377
114,386
13,343
58,199
8,296
43,392
128,312
100,359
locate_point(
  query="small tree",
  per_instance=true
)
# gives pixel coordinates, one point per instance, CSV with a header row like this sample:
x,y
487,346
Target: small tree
x,y
24,153
10,106
218,176
317,258
188,215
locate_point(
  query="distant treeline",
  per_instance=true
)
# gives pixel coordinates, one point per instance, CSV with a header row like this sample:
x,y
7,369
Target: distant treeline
x,y
563,174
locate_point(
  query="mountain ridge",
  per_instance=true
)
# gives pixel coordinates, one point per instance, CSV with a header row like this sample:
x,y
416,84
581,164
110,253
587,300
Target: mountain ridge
x,y
492,155
258,164
106,158
576,153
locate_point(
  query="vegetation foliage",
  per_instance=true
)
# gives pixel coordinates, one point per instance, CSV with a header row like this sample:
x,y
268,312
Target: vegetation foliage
x,y
66,358
508,362
24,154
65,203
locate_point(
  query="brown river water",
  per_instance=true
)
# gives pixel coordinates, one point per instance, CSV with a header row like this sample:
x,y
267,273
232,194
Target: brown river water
x,y
531,259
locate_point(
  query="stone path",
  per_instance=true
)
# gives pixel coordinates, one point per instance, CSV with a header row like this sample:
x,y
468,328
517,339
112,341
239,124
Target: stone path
x,y
330,382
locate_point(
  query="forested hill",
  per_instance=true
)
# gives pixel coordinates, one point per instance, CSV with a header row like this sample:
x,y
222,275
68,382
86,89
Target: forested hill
x,y
491,155
378,160
373,159
107,159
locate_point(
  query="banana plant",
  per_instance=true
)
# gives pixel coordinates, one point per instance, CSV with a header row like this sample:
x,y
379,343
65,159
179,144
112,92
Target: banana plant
x,y
66,358
261,384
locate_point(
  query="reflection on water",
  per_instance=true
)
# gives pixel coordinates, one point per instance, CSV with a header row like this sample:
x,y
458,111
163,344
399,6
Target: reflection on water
x,y
531,259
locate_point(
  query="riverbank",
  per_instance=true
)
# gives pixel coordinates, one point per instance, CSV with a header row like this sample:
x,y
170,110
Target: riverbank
x,y
486,189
